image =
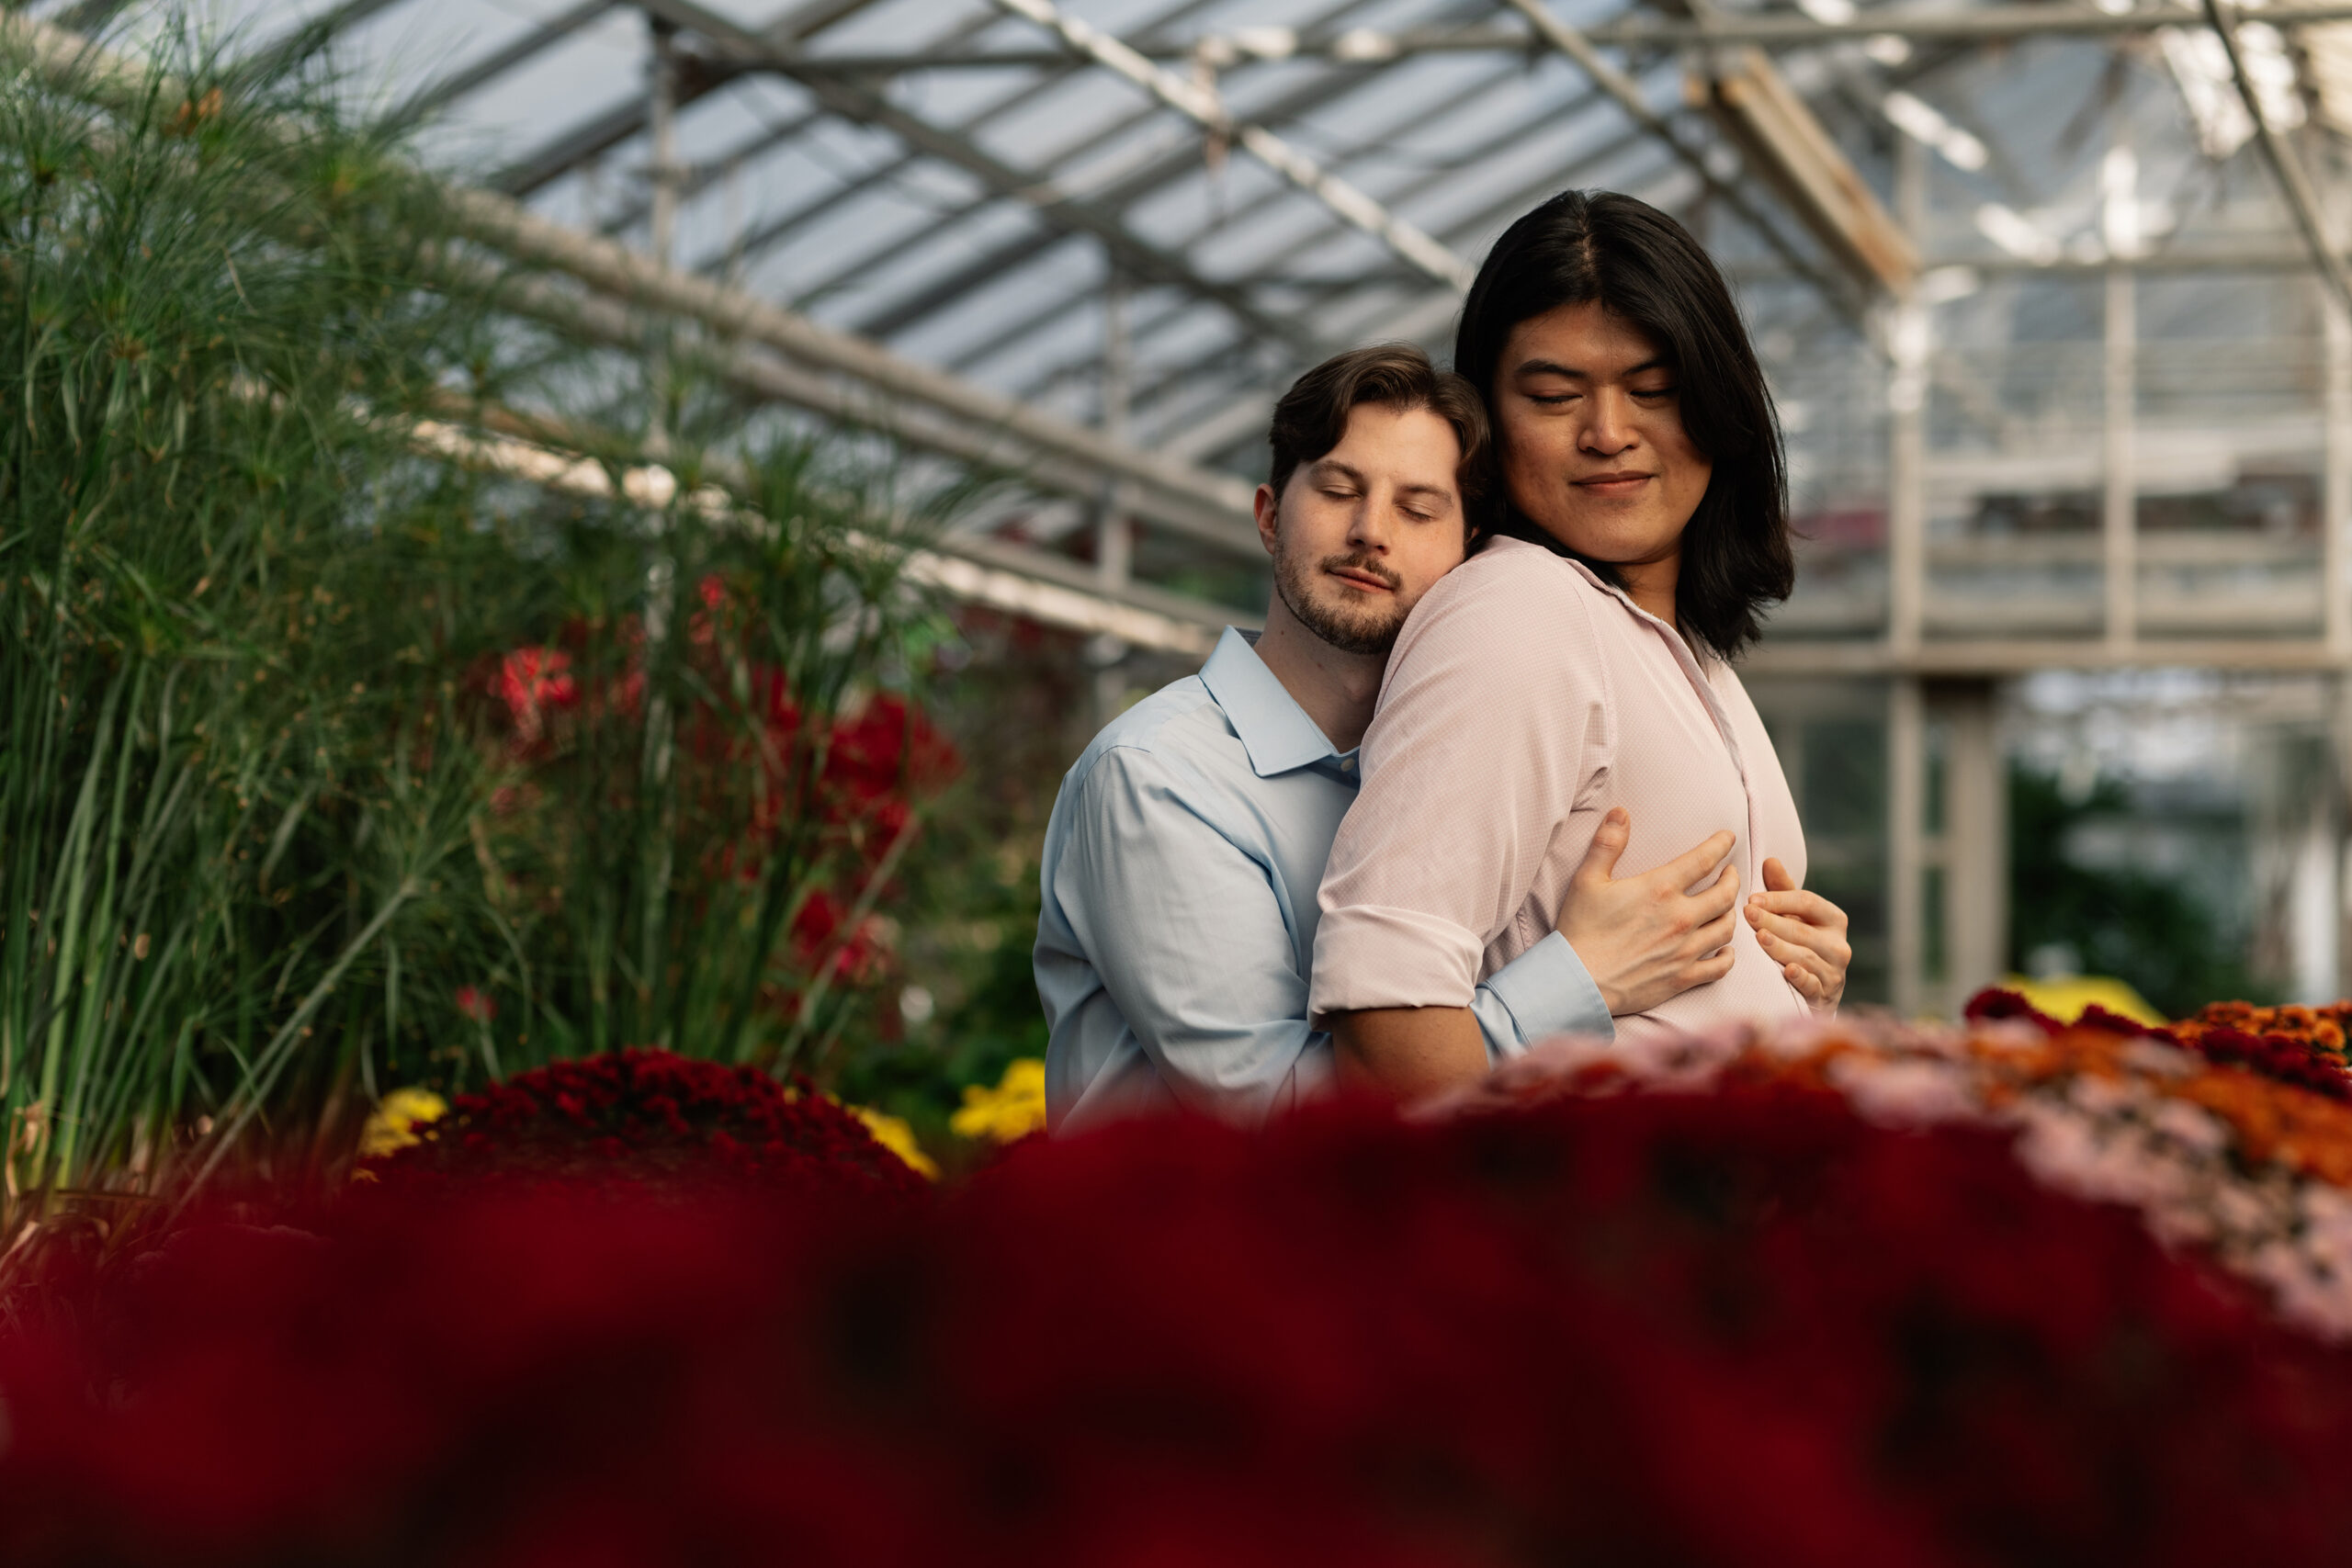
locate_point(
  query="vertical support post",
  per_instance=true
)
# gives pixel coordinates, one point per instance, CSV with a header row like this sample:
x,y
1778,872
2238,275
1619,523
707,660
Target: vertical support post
x,y
661,203
1906,807
2118,512
1976,838
2339,733
1113,526
661,133
2313,823
2336,592
1906,580
2335,480
1908,341
661,578
1114,540
734,194
1907,484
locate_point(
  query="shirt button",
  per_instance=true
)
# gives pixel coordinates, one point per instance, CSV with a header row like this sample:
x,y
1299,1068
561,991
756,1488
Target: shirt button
x,y
1347,764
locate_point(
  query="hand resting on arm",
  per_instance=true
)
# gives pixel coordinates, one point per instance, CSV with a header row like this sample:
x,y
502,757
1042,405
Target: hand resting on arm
x,y
1643,939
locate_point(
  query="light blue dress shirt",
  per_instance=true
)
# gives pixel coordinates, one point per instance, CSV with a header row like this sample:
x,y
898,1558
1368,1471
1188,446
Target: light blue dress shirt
x,y
1181,870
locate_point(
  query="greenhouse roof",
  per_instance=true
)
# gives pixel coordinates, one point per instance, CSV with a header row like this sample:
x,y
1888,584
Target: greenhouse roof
x,y
1142,218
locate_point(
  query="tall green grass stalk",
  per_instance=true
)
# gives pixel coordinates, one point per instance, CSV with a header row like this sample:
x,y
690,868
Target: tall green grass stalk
x,y
268,840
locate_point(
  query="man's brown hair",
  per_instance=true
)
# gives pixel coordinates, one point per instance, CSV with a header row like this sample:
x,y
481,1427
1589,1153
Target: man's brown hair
x,y
1313,415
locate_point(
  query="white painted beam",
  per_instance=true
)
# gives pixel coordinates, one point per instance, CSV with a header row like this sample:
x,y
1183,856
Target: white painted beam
x,y
1203,502
1201,105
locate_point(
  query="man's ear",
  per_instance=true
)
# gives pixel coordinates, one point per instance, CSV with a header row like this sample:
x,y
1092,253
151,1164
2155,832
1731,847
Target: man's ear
x,y
1268,507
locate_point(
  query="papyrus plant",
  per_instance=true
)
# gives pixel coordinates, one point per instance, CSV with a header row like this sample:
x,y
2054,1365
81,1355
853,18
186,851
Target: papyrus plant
x,y
265,837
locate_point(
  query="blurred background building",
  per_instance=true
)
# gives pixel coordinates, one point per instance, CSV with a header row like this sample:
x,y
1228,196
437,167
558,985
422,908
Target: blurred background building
x,y
2047,291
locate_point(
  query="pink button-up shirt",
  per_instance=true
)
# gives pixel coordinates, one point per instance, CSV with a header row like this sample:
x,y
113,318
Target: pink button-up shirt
x,y
1524,699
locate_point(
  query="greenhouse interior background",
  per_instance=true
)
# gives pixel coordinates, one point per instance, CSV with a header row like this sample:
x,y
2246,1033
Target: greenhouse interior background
x,y
2056,336
554,557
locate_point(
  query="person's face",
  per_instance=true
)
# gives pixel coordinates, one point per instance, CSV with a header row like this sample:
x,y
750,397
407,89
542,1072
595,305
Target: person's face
x,y
1594,447
1358,534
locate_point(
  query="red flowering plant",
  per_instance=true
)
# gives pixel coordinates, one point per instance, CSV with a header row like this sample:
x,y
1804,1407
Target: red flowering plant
x,y
708,788
534,683
2235,1148
648,1117
2303,1046
1745,1327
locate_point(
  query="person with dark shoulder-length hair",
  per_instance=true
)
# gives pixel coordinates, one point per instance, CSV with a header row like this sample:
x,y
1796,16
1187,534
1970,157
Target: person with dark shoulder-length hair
x,y
1581,662
1185,848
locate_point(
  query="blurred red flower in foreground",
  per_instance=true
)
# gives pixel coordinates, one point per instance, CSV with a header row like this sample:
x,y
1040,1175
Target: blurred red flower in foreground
x,y
1745,1328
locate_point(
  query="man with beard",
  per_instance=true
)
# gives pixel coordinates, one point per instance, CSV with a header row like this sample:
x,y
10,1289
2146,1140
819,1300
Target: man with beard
x,y
1186,846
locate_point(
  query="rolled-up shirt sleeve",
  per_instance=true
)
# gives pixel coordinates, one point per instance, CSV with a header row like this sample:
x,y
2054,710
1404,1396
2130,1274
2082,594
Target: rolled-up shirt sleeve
x,y
1544,991
1494,720
1187,933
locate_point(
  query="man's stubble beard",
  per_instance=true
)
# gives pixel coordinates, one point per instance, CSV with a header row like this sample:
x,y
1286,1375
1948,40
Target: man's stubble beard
x,y
1371,630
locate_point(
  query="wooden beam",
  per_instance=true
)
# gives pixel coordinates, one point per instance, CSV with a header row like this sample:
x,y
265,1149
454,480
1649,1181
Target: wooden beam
x,y
1781,139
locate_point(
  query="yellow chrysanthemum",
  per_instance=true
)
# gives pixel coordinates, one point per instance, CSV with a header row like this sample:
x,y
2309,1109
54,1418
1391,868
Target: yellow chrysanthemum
x,y
1012,1110
2063,996
893,1133
393,1124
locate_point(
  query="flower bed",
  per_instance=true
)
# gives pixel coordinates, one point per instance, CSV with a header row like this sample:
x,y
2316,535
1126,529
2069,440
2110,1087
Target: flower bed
x,y
1845,1293
2232,1144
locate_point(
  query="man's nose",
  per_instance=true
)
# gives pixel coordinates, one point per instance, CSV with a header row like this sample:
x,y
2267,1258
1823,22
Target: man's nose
x,y
1609,429
1368,529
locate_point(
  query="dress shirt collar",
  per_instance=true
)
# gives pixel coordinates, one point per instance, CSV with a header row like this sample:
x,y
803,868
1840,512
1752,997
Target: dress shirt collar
x,y
1619,595
1673,634
1274,729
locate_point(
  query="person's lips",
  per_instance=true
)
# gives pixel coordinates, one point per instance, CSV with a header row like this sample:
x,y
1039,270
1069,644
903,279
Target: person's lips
x,y
1618,481
1360,577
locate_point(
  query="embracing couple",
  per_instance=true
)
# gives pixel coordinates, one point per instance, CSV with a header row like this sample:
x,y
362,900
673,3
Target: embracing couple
x,y
1487,776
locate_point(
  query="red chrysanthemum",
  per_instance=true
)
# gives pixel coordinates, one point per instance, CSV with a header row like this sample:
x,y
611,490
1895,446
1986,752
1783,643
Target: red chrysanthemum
x,y
638,1115
2298,1045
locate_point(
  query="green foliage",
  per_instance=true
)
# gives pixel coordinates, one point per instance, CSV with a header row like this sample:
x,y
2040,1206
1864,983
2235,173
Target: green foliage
x,y
186,664
2130,924
973,958
656,844
1016,701
268,840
